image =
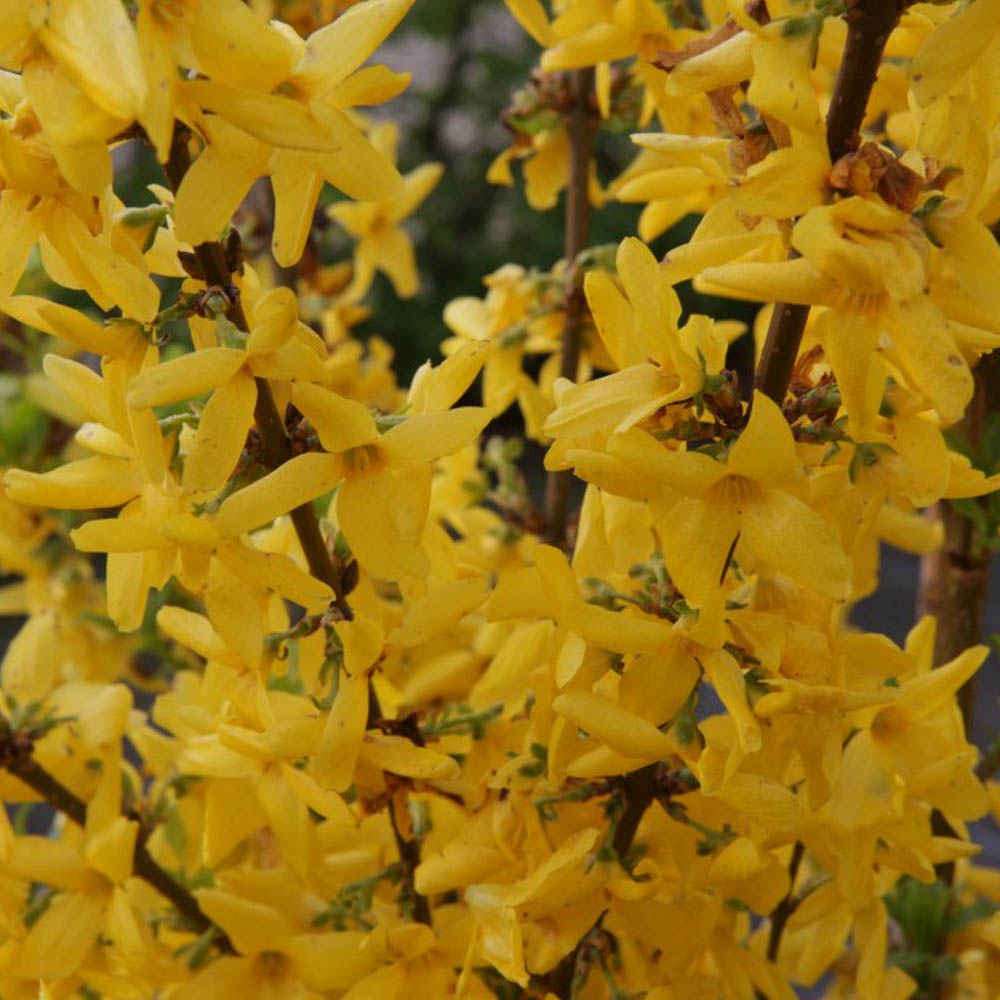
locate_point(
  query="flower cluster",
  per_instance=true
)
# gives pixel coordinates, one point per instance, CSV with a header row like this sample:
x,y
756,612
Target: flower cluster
x,y
312,699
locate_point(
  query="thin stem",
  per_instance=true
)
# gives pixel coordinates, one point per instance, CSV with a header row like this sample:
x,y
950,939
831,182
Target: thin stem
x,y
271,428
784,909
639,791
215,271
409,858
579,124
869,23
57,795
640,788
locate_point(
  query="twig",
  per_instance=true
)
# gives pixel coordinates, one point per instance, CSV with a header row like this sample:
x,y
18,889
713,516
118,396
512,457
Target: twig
x,y
784,909
16,758
579,124
869,23
276,449
639,791
780,914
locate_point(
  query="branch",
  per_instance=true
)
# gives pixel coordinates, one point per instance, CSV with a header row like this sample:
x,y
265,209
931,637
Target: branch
x,y
579,124
784,909
15,756
215,271
869,23
639,790
954,579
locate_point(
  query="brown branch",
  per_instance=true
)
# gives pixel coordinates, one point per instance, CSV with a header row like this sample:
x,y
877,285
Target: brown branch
x,y
215,271
276,448
580,125
784,909
16,758
954,585
780,914
954,580
869,23
638,789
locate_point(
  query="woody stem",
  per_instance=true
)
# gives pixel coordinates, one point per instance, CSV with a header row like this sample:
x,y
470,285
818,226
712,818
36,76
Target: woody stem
x,y
277,451
579,124
270,426
869,23
21,764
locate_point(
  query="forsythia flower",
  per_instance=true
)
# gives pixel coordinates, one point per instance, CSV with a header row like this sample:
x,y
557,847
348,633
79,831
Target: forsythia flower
x,y
368,734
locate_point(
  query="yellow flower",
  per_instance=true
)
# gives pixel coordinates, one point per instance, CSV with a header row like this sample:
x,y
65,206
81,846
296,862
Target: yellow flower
x,y
871,264
75,222
658,362
747,504
382,244
277,106
385,478
274,957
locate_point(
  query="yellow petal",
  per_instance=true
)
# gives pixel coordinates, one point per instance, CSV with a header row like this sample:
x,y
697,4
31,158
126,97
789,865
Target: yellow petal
x,y
184,377
236,616
368,86
221,435
288,819
765,450
402,756
296,182
192,630
795,281
217,181
696,539
296,482
791,537
383,516
96,42
331,961
271,118
117,535
340,744
362,640
275,571
234,45
530,14
623,731
58,943
428,436
501,944
926,350
951,49
724,65
252,927
20,228
110,851
614,402
232,813
341,423
615,630
354,165
89,483
727,679
439,610
781,85
687,472
335,51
